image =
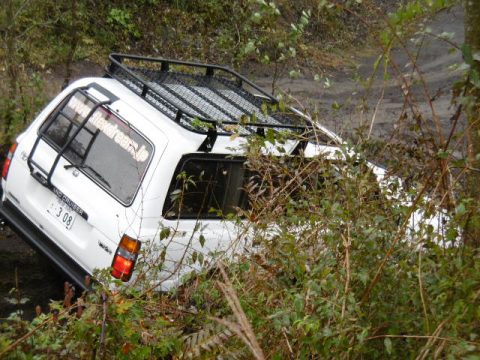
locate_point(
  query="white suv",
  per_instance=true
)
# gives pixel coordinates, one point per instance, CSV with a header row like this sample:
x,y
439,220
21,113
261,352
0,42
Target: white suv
x,y
95,175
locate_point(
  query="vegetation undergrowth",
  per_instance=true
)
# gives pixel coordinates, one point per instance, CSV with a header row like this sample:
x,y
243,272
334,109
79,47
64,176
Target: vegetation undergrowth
x,y
335,268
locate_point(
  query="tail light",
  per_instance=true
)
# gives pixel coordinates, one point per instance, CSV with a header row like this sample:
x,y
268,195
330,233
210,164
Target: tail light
x,y
8,160
125,257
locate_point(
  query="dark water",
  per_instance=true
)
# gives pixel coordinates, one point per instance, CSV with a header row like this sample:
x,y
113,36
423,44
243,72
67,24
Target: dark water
x,y
30,275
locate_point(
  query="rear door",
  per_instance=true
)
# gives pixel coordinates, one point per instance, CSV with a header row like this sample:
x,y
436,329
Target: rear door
x,y
87,164
205,191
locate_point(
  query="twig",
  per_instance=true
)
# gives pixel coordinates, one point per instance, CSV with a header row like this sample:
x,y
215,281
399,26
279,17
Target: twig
x,y
421,337
243,329
346,243
439,349
426,349
375,113
284,332
420,284
104,321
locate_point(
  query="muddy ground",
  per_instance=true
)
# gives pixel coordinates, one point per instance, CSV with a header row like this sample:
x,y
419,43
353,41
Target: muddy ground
x,y
27,279
38,282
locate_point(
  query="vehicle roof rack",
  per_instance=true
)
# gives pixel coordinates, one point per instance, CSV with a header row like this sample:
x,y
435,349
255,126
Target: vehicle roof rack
x,y
204,98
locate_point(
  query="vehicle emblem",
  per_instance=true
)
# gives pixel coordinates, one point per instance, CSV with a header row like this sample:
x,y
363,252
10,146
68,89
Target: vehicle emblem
x,y
75,173
104,247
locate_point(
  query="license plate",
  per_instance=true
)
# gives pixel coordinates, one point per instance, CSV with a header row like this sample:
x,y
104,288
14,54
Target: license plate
x,y
62,212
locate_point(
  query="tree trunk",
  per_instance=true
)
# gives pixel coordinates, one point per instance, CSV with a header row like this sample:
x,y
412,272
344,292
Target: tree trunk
x,y
472,39
11,66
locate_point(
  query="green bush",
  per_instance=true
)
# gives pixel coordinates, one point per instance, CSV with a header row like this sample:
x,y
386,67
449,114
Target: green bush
x,y
334,271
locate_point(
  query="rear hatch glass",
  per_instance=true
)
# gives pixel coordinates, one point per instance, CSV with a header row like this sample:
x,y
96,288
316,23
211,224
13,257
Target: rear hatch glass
x,y
107,149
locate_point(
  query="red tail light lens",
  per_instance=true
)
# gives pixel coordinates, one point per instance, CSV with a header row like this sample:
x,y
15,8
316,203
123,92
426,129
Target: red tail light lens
x,y
125,257
122,268
8,160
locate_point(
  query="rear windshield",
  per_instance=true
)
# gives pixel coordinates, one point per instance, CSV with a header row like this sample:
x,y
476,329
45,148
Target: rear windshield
x,y
107,149
206,188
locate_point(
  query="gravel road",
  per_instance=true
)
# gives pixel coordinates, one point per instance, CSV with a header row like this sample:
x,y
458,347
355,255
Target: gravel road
x,y
433,63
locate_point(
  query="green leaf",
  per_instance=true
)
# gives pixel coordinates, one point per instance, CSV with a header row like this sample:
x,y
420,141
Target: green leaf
x,y
270,136
377,62
467,54
122,308
164,233
197,227
461,210
298,304
443,154
264,108
388,345
447,35
256,17
294,73
475,79
336,106
201,239
200,258
175,194
250,47
452,234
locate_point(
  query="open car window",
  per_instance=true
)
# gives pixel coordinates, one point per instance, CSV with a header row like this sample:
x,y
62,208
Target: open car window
x,y
107,149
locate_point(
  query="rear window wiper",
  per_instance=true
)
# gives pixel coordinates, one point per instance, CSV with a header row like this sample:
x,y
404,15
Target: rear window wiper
x,y
85,166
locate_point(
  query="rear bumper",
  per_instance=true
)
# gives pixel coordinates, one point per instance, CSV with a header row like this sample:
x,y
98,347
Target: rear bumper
x,y
40,242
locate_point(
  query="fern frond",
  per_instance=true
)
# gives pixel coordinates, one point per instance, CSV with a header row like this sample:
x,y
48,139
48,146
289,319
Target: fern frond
x,y
208,339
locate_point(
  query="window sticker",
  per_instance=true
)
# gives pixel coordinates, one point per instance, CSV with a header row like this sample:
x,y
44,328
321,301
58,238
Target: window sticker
x,y
101,120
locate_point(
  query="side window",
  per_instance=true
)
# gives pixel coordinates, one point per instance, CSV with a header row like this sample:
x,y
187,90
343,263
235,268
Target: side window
x,y
107,149
206,188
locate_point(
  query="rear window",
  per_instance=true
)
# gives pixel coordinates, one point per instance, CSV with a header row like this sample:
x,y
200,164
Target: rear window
x,y
107,149
206,188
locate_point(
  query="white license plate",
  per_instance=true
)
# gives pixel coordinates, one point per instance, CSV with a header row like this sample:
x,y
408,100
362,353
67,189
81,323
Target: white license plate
x,y
62,212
